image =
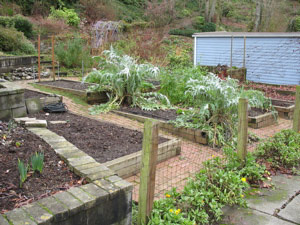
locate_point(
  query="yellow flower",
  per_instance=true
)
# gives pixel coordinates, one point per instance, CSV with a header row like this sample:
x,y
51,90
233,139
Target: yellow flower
x,y
244,179
242,196
213,156
177,211
168,196
171,210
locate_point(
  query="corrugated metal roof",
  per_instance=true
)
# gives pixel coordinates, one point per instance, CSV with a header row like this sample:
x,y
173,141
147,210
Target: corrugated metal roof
x,y
247,34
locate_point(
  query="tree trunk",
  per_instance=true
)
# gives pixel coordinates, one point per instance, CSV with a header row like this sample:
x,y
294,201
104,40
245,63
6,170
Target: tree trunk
x,y
258,13
206,10
212,10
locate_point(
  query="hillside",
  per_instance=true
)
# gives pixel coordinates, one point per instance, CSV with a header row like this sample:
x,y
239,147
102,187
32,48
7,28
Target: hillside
x,y
145,26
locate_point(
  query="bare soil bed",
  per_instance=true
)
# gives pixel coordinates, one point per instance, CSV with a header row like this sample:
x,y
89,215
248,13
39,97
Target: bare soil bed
x,y
67,84
256,112
281,103
55,176
103,141
33,94
165,115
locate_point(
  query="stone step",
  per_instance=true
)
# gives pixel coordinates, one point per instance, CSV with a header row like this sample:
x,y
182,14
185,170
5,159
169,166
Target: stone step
x,y
36,123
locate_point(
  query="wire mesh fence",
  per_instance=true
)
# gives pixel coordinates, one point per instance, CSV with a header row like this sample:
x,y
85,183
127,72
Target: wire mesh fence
x,y
180,159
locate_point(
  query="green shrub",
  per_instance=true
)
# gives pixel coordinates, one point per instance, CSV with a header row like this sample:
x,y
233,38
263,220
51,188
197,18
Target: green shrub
x,y
23,25
282,150
188,32
71,53
294,25
14,41
19,22
68,15
209,27
198,22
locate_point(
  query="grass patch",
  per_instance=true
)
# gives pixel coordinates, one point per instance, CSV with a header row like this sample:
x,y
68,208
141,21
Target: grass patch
x,y
76,99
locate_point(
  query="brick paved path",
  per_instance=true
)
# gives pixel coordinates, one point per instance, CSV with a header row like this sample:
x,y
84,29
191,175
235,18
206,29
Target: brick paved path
x,y
175,171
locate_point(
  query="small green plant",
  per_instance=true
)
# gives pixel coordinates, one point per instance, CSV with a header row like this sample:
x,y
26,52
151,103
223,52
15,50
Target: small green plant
x,y
37,162
18,144
68,15
23,169
18,22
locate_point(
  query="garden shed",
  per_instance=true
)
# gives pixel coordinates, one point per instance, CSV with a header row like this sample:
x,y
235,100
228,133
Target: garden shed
x,y
272,58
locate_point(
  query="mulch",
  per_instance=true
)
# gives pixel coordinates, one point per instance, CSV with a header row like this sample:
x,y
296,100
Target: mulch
x,y
103,141
253,112
67,84
165,115
54,178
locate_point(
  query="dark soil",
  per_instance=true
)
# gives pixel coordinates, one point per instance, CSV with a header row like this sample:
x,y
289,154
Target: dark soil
x,y
103,141
256,112
282,103
165,115
33,94
68,84
55,176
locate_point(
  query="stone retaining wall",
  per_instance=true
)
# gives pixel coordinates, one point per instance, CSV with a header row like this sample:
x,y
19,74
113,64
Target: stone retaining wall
x,y
9,63
106,200
12,102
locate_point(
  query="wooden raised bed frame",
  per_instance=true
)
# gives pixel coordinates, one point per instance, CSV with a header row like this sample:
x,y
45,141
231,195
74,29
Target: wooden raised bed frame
x,y
90,97
285,112
264,120
190,134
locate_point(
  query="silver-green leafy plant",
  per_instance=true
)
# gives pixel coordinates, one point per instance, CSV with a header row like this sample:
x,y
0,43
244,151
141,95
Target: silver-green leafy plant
x,y
37,162
215,105
121,77
23,169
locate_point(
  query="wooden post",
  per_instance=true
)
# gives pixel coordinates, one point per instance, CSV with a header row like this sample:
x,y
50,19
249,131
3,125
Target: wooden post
x,y
39,58
296,120
53,63
242,129
244,59
147,180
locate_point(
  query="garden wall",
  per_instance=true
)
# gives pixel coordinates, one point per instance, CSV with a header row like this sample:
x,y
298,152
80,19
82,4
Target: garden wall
x,y
7,64
12,102
106,200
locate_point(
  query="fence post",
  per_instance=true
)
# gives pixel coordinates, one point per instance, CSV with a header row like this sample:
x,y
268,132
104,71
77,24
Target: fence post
x,y
39,58
147,177
296,121
242,129
53,64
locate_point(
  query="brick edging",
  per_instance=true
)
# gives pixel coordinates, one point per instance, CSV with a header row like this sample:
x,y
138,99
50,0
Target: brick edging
x,y
104,186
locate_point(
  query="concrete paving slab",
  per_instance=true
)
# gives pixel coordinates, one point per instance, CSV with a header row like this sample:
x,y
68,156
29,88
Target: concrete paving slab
x,y
272,199
292,211
246,216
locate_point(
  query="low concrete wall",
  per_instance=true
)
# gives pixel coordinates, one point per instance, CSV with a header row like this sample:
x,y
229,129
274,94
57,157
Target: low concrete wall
x,y
129,165
285,112
264,120
12,103
190,134
7,64
90,97
106,200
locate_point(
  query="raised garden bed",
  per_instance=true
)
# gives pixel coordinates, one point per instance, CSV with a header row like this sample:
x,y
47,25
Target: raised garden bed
x,y
20,143
117,147
163,116
106,196
258,118
35,100
284,108
225,71
76,88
